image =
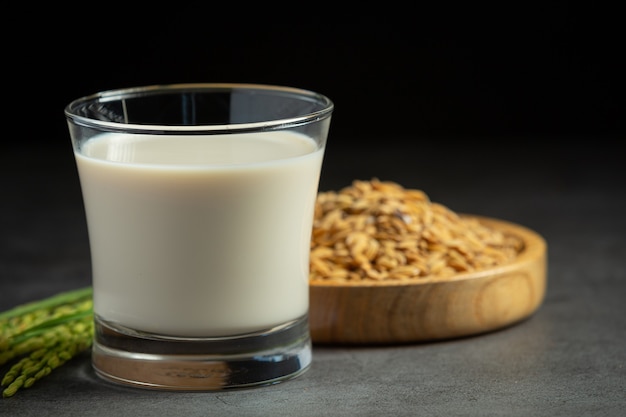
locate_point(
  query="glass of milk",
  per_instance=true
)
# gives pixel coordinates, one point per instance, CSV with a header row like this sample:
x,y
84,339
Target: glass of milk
x,y
199,201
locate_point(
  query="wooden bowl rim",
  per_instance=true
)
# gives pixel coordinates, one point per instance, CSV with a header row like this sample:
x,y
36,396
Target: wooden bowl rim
x,y
534,246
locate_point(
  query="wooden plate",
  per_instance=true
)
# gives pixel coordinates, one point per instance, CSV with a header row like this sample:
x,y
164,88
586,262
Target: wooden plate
x,y
466,304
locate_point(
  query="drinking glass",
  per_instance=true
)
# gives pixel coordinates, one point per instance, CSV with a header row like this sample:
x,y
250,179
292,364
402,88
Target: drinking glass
x,y
199,202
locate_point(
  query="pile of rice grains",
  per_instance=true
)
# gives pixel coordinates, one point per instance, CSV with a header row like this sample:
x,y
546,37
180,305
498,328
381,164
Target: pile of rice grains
x,y
379,231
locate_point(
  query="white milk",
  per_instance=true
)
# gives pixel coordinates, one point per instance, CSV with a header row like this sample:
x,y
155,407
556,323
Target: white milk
x,y
200,236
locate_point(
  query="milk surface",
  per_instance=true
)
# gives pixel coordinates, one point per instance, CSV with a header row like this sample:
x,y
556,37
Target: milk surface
x,y
197,235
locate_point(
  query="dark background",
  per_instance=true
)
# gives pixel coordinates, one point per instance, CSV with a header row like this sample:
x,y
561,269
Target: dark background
x,y
421,71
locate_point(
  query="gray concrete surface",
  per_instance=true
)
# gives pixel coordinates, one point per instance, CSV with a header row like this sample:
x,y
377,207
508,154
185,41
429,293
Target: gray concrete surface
x,y
566,360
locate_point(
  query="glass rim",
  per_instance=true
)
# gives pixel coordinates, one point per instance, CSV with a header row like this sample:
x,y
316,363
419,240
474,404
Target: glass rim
x,y
327,107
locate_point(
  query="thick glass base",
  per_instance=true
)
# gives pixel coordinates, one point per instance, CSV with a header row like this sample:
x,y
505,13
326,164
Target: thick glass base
x,y
150,361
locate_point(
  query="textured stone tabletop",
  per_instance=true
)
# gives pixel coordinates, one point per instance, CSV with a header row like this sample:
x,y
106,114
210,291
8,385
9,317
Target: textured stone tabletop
x,y
567,359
